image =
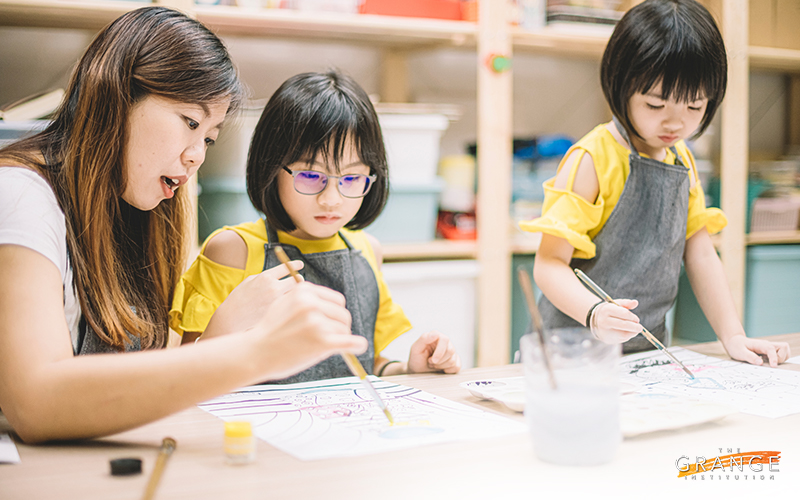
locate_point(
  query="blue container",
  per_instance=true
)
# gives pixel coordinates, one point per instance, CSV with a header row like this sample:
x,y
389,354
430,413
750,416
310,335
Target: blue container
x,y
772,304
409,215
772,296
223,201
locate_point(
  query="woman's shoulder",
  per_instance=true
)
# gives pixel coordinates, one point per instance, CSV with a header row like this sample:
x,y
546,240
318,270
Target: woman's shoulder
x,y
30,215
23,188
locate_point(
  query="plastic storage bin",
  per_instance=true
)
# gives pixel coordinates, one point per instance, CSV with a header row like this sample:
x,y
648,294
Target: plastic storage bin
x,y
16,130
434,9
437,295
223,201
772,303
772,296
410,214
412,145
228,156
775,214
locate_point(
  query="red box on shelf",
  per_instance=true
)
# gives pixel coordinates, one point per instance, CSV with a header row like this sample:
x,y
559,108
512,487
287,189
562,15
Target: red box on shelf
x,y
434,9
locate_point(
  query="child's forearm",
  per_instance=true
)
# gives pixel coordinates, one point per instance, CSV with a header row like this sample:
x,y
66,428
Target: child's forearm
x,y
558,282
710,286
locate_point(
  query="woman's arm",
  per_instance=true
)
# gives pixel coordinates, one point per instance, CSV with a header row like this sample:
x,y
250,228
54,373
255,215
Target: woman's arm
x,y
710,286
253,295
47,393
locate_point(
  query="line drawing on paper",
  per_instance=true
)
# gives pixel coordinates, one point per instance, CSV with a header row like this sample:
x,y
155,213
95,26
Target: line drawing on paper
x,y
758,390
337,417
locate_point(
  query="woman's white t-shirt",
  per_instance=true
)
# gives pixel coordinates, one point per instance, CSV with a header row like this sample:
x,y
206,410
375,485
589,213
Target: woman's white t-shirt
x,y
31,217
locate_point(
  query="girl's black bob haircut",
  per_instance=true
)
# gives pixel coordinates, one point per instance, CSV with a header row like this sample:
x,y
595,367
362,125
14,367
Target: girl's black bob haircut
x,y
314,115
672,42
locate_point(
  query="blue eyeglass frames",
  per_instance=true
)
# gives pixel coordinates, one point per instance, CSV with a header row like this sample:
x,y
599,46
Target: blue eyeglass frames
x,y
350,186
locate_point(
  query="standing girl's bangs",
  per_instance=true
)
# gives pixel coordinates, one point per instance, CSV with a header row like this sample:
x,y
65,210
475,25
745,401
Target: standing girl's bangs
x,y
672,42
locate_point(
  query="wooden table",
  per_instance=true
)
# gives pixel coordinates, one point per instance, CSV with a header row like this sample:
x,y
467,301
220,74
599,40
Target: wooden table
x,y
645,466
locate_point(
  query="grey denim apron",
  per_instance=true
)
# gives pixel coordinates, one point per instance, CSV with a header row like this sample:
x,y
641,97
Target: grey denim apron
x,y
90,343
348,272
640,247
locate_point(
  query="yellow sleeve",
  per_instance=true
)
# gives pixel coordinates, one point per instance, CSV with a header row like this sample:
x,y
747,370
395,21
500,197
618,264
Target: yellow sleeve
x,y
568,215
200,291
391,321
713,219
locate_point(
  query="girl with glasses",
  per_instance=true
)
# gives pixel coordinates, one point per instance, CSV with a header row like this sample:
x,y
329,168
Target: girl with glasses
x,y
626,206
317,170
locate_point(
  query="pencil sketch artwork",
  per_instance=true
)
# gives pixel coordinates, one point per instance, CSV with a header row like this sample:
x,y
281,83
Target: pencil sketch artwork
x,y
337,417
758,390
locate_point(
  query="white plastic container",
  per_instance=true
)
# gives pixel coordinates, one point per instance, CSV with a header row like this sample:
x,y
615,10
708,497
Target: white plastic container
x,y
435,295
412,145
228,156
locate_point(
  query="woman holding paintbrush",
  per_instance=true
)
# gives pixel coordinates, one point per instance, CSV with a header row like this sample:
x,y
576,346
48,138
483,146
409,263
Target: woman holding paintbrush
x,y
626,207
92,219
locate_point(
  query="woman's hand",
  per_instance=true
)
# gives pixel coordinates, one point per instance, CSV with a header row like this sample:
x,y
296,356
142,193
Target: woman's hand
x,y
432,352
302,327
249,301
615,324
743,348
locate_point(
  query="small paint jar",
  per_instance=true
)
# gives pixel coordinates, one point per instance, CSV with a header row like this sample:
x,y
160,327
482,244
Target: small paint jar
x,y
240,444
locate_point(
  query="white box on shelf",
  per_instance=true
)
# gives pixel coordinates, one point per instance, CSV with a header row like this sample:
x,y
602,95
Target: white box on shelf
x,y
412,145
435,295
228,156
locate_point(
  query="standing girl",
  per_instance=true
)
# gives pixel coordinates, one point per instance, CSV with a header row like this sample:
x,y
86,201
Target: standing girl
x,y
317,170
92,235
626,206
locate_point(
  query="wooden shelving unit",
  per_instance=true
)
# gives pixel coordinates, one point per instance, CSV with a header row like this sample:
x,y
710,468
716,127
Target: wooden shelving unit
x,y
492,35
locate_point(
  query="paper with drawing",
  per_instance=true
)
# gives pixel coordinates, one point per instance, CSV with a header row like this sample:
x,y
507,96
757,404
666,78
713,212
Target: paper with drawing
x,y
337,417
757,390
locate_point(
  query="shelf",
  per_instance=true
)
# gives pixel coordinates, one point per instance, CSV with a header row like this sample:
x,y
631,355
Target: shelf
x,y
331,26
265,23
62,14
775,59
773,237
583,42
434,250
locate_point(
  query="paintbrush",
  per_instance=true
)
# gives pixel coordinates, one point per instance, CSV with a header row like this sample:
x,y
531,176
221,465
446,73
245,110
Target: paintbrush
x,y
649,336
536,318
167,447
350,359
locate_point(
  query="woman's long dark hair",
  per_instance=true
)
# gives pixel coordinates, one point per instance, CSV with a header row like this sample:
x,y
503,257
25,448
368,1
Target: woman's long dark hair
x,y
126,262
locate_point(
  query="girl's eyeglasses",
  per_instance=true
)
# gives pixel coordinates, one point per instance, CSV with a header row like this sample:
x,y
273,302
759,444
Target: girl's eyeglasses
x,y
313,182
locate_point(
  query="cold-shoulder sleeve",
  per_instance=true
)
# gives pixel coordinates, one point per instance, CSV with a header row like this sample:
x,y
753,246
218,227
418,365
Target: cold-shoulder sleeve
x,y
200,292
567,215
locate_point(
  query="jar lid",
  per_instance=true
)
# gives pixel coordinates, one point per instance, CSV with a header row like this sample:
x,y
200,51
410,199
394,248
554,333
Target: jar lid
x,y
238,429
125,466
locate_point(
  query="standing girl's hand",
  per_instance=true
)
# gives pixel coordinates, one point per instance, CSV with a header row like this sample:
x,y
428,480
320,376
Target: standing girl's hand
x,y
743,348
431,352
249,301
614,324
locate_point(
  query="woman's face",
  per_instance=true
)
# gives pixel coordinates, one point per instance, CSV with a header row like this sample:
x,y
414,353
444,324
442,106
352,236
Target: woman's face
x,y
320,216
661,123
167,142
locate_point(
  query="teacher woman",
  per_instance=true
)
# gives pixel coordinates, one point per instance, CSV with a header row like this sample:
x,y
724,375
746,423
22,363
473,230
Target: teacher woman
x,y
93,215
